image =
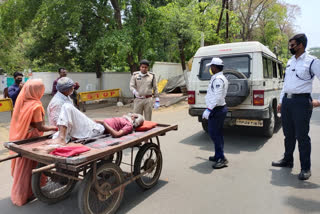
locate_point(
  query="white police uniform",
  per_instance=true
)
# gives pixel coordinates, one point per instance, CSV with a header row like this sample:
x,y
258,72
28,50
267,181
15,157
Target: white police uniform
x,y
216,112
217,91
299,75
296,106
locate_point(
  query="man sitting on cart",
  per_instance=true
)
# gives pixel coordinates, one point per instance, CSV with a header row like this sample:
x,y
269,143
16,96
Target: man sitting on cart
x,y
72,123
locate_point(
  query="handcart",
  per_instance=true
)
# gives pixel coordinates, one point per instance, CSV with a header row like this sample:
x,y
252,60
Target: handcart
x,y
103,181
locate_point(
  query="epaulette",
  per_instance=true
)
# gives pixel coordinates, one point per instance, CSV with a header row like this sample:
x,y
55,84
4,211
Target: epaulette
x,y
136,72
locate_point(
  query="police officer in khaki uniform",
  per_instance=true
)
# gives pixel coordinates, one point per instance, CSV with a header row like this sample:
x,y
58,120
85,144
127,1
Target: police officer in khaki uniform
x,y
142,84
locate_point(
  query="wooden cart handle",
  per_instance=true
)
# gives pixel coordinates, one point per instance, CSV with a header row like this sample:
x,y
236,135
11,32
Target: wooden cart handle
x,y
50,166
10,157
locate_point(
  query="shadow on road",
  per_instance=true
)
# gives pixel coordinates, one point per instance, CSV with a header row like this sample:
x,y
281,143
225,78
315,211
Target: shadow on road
x,y
304,205
204,167
133,196
283,177
235,139
69,205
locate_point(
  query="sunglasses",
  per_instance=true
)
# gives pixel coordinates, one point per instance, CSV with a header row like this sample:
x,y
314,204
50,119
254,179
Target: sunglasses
x,y
292,45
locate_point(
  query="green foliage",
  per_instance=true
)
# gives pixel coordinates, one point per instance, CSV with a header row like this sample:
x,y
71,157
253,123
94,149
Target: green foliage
x,y
315,52
86,36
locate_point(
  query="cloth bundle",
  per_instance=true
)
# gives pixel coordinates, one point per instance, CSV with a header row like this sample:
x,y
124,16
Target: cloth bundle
x,y
69,151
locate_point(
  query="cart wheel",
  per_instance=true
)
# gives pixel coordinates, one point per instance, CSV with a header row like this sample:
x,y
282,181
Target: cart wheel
x,y
114,158
91,201
51,188
149,157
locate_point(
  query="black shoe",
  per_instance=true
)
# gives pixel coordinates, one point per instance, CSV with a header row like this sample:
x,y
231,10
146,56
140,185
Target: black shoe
x,y
304,175
220,163
283,163
213,158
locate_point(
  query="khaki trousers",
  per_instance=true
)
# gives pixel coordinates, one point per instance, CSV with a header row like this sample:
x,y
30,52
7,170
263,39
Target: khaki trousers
x,y
143,107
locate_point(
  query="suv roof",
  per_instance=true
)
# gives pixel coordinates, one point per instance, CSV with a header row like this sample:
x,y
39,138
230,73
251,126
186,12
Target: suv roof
x,y
233,48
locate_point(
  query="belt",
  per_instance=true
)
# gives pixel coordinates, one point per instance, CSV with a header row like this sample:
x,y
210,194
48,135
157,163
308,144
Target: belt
x,y
144,97
217,108
287,95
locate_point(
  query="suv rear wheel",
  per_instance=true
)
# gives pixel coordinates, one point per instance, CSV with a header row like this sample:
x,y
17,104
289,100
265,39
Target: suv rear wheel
x,y
205,125
269,124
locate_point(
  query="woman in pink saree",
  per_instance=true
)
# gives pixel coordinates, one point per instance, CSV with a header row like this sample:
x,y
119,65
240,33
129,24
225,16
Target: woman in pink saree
x,y
27,122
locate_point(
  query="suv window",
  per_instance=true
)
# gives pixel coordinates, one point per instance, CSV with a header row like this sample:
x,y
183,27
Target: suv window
x,y
280,70
265,68
275,72
269,68
238,63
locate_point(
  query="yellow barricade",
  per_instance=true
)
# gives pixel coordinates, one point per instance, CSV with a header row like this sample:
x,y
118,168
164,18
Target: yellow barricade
x,y
97,95
6,105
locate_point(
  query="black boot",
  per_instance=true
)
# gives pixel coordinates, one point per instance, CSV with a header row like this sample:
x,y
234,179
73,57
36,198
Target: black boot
x,y
283,163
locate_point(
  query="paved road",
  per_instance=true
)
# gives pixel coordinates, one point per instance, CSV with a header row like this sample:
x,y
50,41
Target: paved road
x,y
188,184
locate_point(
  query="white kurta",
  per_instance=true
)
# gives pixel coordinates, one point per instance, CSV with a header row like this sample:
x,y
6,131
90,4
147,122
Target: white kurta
x,y
55,105
78,124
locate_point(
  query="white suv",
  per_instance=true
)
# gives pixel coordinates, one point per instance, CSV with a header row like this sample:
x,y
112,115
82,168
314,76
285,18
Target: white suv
x,y
255,81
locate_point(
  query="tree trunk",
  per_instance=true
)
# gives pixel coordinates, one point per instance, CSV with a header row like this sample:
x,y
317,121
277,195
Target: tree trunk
x,y
221,14
182,55
133,66
117,13
227,20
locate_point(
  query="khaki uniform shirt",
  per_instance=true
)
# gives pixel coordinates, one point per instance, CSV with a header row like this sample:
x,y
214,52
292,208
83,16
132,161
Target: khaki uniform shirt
x,y
144,84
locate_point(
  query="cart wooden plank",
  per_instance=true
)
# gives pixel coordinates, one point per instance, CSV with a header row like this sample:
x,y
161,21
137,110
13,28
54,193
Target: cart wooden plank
x,y
38,148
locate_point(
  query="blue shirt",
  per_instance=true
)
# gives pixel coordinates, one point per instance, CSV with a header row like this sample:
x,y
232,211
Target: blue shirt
x,y
13,92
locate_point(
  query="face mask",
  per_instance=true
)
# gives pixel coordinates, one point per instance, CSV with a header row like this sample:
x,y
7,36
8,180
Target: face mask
x,y
18,81
292,51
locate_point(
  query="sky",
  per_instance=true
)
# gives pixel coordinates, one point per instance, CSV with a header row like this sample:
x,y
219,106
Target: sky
x,y
308,21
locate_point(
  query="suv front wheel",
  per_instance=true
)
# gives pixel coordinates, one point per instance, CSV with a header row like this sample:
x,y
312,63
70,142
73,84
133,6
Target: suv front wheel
x,y
269,124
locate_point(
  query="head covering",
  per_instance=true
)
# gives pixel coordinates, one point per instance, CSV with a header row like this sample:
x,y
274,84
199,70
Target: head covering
x,y
64,84
144,62
215,61
27,103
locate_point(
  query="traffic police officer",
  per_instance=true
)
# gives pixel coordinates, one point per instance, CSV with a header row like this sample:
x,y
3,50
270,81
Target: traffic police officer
x,y
142,84
296,104
216,111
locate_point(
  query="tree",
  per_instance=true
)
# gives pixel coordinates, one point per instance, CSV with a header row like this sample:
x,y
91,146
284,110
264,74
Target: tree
x,y
180,25
249,13
315,52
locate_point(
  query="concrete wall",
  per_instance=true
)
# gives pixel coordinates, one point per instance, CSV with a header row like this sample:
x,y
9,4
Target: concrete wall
x,y
87,81
165,70
2,83
117,80
109,80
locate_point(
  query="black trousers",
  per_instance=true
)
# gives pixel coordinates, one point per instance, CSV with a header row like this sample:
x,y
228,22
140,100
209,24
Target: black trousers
x,y
215,129
296,113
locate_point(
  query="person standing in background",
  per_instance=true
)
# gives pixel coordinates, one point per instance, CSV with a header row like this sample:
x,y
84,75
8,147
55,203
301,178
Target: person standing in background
x,y
14,90
142,84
